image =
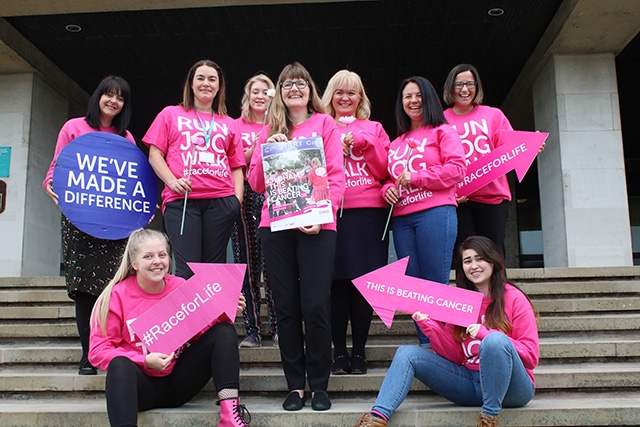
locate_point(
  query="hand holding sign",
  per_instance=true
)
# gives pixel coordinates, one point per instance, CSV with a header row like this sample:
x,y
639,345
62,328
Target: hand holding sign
x,y
517,151
213,290
388,289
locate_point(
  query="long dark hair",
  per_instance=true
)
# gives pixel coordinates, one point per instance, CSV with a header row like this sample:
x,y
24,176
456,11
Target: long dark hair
x,y
110,85
219,101
495,317
431,107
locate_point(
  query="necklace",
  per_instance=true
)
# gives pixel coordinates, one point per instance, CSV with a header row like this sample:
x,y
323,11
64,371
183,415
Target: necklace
x,y
206,133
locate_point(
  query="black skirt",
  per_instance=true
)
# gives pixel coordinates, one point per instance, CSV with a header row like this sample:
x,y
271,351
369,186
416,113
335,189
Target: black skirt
x,y
89,262
359,247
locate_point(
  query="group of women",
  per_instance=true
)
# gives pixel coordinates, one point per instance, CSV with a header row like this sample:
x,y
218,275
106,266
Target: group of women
x,y
212,169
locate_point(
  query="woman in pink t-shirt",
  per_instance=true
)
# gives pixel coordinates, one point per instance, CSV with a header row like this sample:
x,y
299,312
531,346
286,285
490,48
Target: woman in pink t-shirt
x,y
362,217
90,262
258,91
140,380
484,212
195,150
300,260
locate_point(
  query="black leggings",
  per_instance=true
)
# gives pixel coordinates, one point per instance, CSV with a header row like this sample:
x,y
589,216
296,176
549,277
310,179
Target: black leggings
x,y
129,390
84,305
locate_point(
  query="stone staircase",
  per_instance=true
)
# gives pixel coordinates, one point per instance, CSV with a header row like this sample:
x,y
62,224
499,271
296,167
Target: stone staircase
x,y
589,373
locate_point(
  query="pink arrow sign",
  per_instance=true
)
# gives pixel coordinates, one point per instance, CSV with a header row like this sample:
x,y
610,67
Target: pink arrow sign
x,y
388,290
212,290
518,151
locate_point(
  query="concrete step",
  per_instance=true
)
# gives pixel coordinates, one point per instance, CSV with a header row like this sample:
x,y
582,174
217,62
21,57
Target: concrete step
x,y
33,282
536,288
582,305
552,288
269,379
34,295
64,327
561,409
44,312
576,346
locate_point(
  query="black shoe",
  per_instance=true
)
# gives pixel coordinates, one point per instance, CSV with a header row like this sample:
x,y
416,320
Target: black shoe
x,y
294,402
320,401
359,365
341,365
87,369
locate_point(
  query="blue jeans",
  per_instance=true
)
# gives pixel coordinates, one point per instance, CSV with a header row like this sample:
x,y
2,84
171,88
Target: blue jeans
x,y
427,238
501,382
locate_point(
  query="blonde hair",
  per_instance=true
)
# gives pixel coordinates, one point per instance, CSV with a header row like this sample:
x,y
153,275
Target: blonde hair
x,y
345,79
136,240
278,118
247,114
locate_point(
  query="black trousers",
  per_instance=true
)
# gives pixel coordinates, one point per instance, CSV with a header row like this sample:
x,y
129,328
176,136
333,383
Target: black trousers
x,y
207,229
300,271
214,354
481,219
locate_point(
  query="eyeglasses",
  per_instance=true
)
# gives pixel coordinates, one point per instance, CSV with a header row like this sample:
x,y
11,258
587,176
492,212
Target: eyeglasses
x,y
470,84
287,85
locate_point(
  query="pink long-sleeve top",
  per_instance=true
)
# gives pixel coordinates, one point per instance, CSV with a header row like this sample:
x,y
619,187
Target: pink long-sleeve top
x,y
174,131
71,130
249,132
366,165
523,335
479,131
436,164
316,125
128,301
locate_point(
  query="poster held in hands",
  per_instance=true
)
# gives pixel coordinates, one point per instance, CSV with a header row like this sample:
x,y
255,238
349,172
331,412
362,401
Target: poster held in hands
x,y
297,183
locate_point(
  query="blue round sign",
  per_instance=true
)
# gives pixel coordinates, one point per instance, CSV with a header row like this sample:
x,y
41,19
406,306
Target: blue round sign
x,y
105,185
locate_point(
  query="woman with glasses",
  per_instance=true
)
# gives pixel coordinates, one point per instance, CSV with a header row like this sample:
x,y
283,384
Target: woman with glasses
x,y
362,217
195,150
301,260
484,212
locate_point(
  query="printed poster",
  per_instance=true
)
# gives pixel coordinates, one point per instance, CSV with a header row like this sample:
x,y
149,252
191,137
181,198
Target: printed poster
x,y
297,183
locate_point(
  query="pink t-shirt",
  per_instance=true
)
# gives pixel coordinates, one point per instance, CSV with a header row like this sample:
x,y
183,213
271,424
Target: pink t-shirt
x,y
71,130
249,132
128,301
523,335
436,165
479,131
317,125
366,165
172,132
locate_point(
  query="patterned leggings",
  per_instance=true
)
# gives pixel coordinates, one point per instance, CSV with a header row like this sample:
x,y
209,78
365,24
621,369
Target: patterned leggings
x,y
247,249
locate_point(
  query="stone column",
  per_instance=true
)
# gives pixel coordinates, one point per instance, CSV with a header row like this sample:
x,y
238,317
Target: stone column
x,y
583,192
31,114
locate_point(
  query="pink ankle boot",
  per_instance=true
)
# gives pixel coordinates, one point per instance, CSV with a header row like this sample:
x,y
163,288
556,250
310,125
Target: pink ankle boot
x,y
232,414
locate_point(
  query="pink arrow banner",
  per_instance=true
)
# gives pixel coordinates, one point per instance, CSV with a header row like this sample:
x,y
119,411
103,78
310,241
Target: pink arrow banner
x,y
388,290
214,289
518,150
